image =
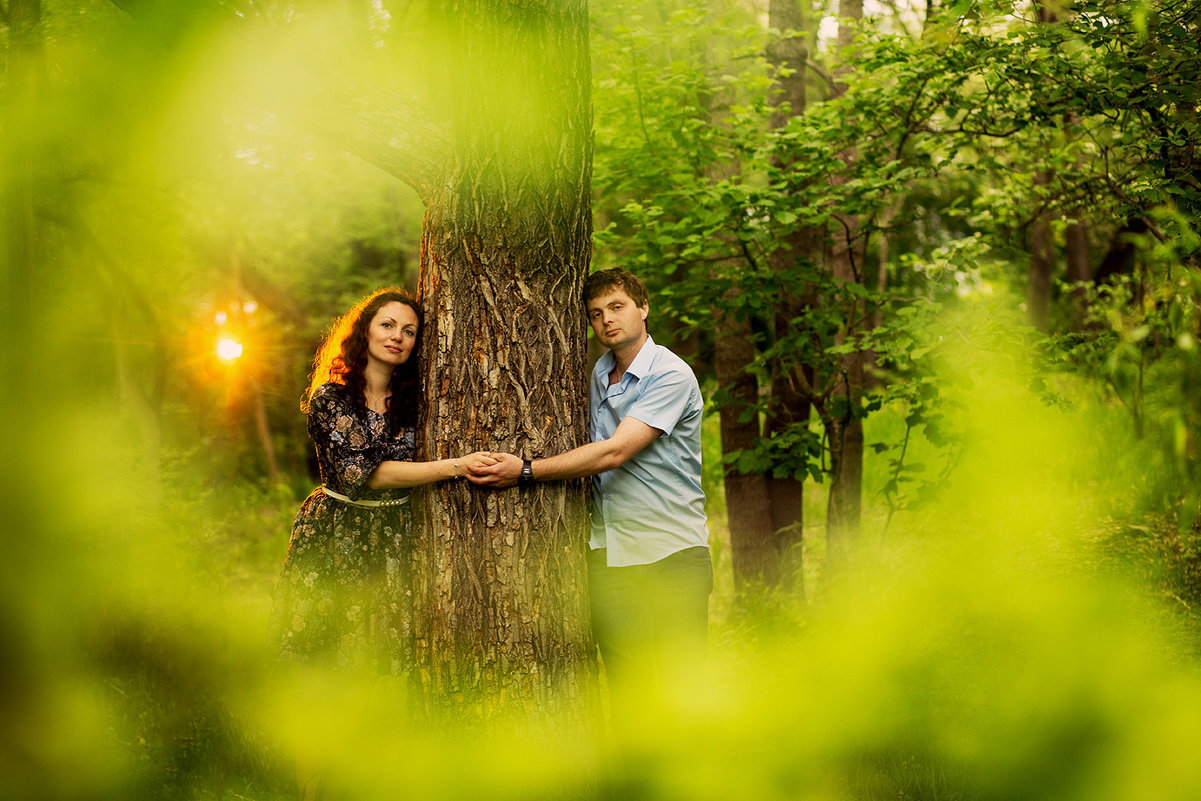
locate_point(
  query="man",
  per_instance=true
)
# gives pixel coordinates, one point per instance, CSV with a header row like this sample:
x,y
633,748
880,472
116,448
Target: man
x,y
649,568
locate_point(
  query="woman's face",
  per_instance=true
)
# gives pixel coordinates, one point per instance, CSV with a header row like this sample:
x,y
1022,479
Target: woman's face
x,y
392,335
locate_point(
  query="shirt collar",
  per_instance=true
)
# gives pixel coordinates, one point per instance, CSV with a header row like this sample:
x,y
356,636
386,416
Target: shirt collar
x,y
604,365
638,368
643,361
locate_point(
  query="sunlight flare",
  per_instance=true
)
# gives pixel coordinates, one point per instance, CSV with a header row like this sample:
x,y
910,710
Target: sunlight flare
x,y
229,349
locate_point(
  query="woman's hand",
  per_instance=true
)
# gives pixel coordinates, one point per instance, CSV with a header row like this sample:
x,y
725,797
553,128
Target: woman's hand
x,y
502,472
474,461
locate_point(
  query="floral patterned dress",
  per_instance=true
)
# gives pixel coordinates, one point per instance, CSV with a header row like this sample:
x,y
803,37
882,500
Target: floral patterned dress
x,y
344,598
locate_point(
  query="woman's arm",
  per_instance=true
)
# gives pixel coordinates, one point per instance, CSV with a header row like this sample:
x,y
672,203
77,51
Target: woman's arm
x,y
397,475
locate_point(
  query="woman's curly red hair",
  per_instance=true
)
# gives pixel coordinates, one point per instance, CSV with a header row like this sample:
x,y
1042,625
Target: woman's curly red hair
x,y
342,357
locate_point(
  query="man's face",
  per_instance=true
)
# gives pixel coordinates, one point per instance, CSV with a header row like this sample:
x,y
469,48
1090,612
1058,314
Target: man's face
x,y
615,318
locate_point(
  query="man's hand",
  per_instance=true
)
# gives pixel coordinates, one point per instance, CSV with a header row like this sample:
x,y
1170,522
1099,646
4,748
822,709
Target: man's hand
x,y
502,474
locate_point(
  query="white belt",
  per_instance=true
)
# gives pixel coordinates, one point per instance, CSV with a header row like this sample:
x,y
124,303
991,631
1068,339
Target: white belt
x,y
337,496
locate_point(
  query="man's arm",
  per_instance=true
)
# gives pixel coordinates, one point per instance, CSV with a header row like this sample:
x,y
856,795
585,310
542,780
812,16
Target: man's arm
x,y
630,437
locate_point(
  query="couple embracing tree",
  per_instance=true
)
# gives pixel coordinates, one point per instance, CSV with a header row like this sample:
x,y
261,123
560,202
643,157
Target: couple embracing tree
x,y
345,597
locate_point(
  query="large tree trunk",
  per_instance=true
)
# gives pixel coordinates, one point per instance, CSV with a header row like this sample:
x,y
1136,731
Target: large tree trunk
x,y
501,581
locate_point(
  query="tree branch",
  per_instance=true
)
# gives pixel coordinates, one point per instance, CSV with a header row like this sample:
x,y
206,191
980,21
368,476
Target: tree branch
x,y
642,119
391,132
825,76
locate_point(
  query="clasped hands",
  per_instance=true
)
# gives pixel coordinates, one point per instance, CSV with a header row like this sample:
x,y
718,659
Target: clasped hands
x,y
474,461
500,470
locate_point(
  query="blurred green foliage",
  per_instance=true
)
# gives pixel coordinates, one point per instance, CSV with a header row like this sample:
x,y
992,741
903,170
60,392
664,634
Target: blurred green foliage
x,y
964,128
1025,625
997,645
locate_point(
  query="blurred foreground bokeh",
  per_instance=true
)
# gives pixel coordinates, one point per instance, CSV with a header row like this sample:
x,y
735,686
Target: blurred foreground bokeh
x,y
993,646
1028,631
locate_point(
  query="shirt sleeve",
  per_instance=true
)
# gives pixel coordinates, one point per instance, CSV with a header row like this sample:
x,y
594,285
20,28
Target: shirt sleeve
x,y
350,449
664,400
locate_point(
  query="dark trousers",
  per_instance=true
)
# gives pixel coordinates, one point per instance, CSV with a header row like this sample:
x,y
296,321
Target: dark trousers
x,y
651,623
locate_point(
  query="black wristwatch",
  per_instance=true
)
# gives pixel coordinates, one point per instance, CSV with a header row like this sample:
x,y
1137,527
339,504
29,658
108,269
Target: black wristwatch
x,y
527,473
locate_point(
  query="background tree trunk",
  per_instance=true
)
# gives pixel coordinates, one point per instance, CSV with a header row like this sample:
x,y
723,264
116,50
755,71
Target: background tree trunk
x,y
754,557
1038,285
1042,247
501,582
1080,270
1079,263
844,425
748,510
789,404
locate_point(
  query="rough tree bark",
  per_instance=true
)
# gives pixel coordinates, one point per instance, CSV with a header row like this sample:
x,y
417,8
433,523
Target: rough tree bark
x,y
505,249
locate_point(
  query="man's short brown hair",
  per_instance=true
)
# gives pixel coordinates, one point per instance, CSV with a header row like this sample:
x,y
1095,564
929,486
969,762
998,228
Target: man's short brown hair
x,y
599,283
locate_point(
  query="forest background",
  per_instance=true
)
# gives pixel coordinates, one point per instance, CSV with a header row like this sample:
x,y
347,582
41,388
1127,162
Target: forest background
x,y
935,265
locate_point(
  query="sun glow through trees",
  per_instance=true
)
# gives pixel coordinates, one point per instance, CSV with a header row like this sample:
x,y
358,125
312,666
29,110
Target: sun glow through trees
x,y
229,349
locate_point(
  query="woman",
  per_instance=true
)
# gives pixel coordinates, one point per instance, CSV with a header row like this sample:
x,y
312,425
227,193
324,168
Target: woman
x,y
344,597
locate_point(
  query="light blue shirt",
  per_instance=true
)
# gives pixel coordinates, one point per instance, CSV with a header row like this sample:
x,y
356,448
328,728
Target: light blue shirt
x,y
653,505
